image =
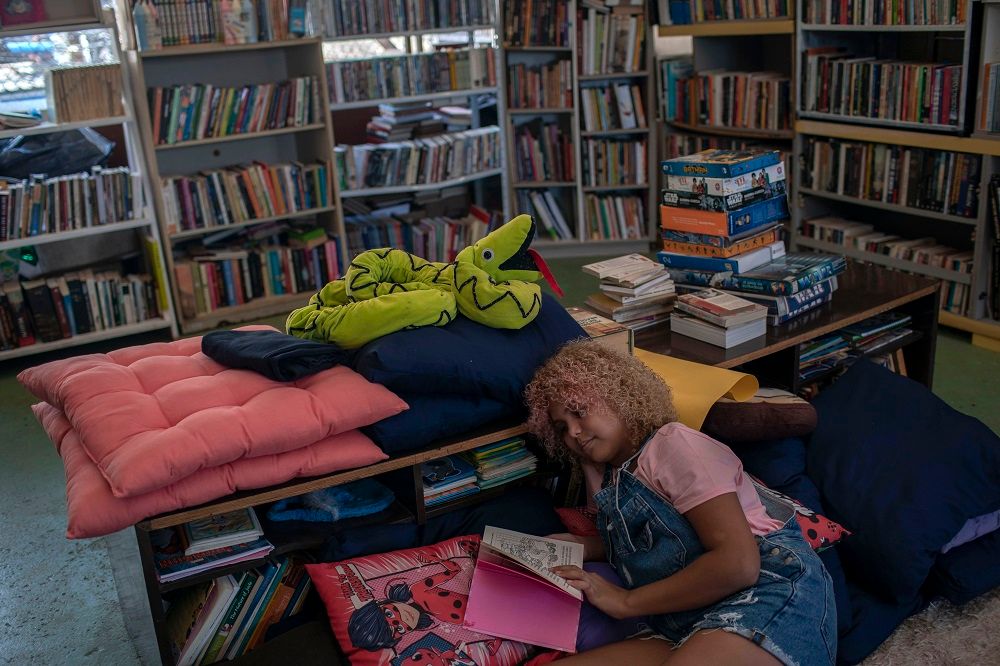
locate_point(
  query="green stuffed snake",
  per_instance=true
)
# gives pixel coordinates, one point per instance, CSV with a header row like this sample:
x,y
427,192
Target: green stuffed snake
x,y
387,290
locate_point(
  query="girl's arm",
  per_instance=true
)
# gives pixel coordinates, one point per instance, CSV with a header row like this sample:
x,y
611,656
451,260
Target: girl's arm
x,y
731,562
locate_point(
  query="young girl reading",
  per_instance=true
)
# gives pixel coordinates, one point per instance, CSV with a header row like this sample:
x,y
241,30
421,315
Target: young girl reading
x,y
723,573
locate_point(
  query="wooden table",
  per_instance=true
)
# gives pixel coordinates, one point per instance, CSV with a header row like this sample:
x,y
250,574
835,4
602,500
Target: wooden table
x,y
864,290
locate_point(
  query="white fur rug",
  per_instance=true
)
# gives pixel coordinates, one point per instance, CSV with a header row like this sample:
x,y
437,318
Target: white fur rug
x,y
946,634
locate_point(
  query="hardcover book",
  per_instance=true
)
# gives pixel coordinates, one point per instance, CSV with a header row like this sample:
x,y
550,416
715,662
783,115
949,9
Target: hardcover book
x,y
719,163
515,595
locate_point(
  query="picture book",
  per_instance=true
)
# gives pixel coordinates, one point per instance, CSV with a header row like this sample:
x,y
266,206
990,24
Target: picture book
x,y
225,529
720,163
172,564
515,595
444,473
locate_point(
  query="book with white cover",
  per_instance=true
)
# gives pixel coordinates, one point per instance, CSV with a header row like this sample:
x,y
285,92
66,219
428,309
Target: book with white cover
x,y
685,324
720,308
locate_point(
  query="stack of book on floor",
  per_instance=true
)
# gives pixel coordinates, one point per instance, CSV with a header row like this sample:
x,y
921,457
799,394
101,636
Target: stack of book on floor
x,y
208,543
501,462
446,479
721,222
718,318
227,617
635,291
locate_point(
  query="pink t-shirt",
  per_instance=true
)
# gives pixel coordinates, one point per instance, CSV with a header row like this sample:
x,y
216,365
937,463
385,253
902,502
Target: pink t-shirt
x,y
687,468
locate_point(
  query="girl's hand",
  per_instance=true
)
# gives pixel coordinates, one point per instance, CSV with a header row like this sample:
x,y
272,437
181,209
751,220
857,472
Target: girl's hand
x,y
610,599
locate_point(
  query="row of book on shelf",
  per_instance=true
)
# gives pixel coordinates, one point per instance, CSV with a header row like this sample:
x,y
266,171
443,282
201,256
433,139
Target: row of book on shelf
x,y
612,37
422,161
837,81
241,193
683,12
434,238
884,12
612,107
42,205
536,23
455,476
75,303
209,279
546,209
608,162
166,23
935,180
719,98
543,152
548,86
989,117
415,74
955,296
196,111
350,18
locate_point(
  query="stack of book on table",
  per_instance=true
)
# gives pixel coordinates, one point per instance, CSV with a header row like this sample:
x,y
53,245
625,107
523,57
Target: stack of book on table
x,y
208,543
227,617
446,479
635,291
718,318
501,462
721,223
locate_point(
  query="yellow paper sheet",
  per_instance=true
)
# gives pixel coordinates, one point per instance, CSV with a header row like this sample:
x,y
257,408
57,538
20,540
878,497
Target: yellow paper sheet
x,y
696,387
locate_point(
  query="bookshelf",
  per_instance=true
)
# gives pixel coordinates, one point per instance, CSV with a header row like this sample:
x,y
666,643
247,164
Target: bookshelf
x,y
580,134
107,223
444,57
868,68
268,171
57,17
968,232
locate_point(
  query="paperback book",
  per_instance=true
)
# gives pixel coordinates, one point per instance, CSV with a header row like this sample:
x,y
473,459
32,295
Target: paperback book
x,y
172,564
226,529
720,308
514,594
603,330
719,336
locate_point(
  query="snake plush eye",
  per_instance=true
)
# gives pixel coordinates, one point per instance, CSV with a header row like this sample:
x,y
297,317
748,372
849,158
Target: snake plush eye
x,y
487,254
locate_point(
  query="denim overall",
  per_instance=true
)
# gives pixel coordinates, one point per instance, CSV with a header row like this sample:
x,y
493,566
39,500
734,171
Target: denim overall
x,y
790,610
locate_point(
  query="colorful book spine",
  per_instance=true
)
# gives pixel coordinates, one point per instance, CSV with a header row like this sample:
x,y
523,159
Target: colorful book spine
x,y
738,264
346,17
725,223
732,248
720,187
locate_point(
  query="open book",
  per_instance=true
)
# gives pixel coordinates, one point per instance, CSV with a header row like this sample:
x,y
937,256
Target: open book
x,y
514,595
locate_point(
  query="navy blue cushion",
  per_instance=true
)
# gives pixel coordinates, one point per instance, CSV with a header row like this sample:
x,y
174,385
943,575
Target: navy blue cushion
x,y
872,620
964,573
434,417
468,358
781,465
902,470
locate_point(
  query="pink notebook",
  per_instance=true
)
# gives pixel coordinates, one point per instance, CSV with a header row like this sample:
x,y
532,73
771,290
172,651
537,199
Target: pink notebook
x,y
514,595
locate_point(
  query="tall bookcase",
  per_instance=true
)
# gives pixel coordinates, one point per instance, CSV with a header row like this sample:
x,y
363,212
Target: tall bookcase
x,y
966,39
234,66
539,38
89,243
467,29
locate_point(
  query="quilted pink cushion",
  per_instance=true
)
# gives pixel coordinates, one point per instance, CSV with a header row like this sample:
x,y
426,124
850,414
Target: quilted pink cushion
x,y
93,511
151,415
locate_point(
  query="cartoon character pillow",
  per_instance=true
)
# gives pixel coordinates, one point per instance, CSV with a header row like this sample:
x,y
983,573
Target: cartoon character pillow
x,y
407,607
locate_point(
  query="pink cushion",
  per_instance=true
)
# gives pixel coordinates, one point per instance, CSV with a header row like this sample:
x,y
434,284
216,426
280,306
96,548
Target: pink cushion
x,y
93,511
151,415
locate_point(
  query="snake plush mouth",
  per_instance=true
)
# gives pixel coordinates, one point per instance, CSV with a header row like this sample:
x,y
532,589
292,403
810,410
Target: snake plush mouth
x,y
522,260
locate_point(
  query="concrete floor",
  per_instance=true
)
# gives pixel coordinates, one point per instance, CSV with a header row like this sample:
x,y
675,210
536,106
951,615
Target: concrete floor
x,y
58,604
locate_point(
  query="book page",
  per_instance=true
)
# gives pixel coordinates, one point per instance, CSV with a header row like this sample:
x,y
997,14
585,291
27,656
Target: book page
x,y
538,554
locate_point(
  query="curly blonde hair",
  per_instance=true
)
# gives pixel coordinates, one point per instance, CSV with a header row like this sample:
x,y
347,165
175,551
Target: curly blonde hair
x,y
586,375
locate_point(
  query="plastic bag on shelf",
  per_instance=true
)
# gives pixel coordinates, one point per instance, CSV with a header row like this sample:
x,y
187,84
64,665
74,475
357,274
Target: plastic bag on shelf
x,y
55,154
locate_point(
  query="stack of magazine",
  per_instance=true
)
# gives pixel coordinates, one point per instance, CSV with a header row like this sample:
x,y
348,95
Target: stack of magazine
x,y
208,543
502,462
446,479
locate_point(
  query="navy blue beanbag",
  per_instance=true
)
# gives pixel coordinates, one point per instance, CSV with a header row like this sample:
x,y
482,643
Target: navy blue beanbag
x,y
467,358
434,417
781,465
903,470
964,573
872,621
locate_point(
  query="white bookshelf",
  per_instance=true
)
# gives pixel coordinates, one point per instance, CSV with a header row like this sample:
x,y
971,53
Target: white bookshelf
x,y
75,15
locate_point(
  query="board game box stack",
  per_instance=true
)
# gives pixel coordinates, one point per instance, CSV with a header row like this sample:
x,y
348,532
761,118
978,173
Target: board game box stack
x,y
635,291
721,218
